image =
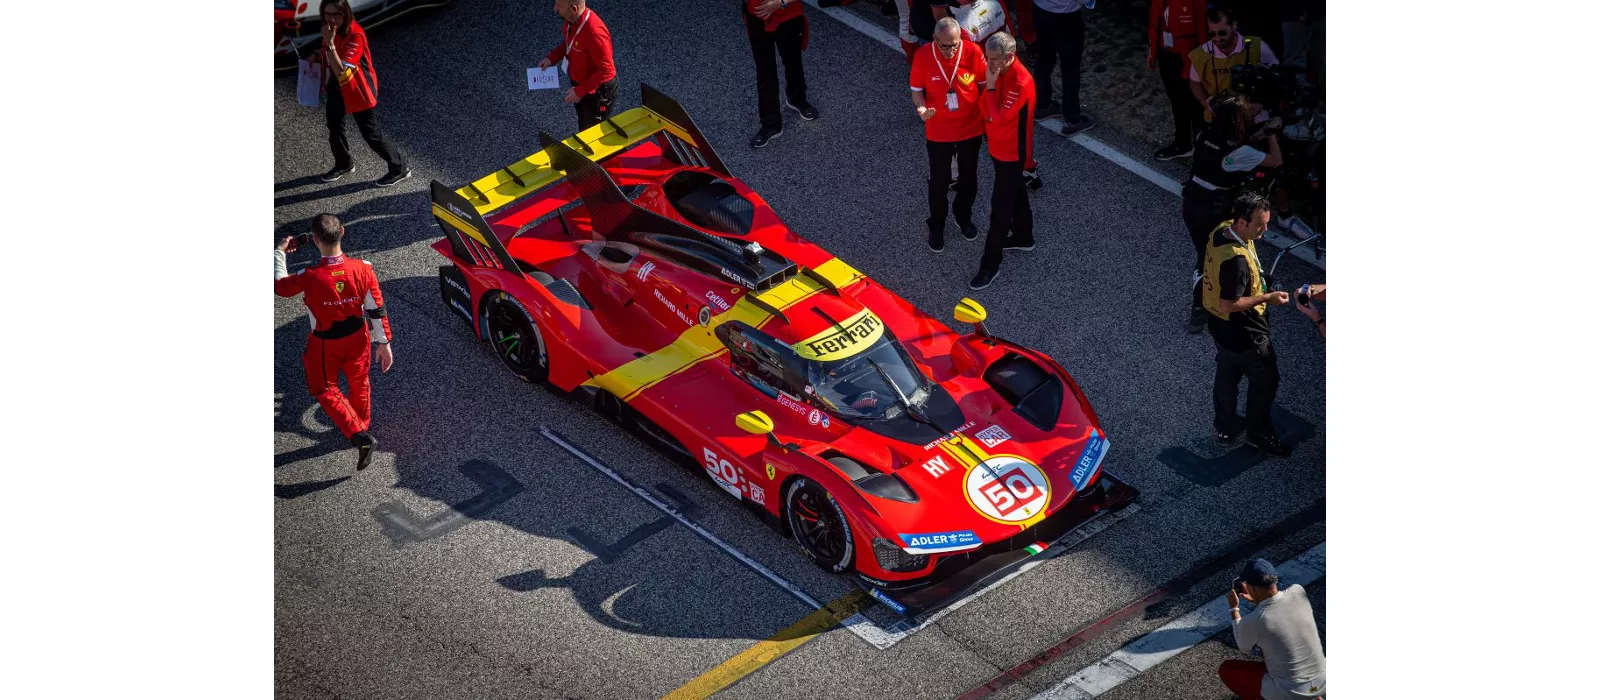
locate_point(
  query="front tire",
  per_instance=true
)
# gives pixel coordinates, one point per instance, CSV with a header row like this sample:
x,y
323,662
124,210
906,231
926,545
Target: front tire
x,y
516,338
819,525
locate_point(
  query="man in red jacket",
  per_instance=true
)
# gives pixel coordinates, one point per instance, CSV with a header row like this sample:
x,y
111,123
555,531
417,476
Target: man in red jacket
x,y
347,315
1176,28
350,85
945,92
777,28
1008,110
585,56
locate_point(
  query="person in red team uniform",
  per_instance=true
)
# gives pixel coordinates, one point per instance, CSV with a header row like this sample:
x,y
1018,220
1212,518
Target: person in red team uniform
x,y
945,91
1008,109
585,55
777,29
346,316
351,87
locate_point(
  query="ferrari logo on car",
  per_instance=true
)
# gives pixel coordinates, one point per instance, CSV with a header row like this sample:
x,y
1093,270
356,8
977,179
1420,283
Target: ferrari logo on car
x,y
855,334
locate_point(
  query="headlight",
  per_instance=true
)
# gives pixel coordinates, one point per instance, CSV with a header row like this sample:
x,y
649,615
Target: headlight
x,y
893,558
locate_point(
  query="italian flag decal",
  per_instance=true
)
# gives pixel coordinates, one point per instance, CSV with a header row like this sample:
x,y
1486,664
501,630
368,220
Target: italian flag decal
x,y
1035,548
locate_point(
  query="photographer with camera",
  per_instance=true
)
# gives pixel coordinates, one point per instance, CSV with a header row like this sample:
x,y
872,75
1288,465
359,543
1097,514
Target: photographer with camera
x,y
1211,64
1226,155
1234,292
1283,627
347,315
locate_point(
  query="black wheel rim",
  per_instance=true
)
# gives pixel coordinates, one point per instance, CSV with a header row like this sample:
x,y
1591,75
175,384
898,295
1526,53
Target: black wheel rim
x,y
817,526
514,339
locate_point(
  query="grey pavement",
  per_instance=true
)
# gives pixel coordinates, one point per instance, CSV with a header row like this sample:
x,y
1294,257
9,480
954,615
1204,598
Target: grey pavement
x,y
533,597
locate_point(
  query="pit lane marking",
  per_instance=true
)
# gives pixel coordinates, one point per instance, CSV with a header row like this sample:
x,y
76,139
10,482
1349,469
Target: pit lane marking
x,y
1054,125
770,649
1175,637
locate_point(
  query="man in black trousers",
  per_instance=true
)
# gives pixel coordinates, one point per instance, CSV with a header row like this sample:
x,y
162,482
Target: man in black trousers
x,y
1059,24
777,28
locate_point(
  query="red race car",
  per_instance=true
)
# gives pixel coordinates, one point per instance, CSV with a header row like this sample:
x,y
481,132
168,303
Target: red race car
x,y
626,264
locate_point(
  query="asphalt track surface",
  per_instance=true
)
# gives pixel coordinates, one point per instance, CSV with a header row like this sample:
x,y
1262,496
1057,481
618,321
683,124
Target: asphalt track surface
x,y
476,560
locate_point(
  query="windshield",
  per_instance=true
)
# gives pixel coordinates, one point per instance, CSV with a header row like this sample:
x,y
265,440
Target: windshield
x,y
854,388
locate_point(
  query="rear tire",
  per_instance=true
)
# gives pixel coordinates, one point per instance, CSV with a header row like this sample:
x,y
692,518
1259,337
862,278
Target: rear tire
x,y
819,525
516,338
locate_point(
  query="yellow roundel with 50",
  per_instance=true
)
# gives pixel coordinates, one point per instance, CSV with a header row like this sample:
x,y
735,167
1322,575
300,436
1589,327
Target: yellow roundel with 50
x,y
846,339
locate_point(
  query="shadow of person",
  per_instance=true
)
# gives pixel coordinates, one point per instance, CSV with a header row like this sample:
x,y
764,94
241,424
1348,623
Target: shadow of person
x,y
289,492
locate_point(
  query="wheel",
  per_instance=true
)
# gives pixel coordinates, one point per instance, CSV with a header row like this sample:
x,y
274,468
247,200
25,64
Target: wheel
x,y
516,338
819,525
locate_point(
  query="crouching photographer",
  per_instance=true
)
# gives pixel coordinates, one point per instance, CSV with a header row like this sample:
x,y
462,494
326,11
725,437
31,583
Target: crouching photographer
x,y
1226,156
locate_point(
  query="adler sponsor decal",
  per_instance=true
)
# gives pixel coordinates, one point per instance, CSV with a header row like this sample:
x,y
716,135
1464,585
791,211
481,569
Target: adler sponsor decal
x,y
936,542
730,275
844,340
1089,463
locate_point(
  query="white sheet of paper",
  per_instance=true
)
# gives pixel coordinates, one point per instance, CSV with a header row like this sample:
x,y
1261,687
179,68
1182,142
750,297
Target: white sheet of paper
x,y
543,78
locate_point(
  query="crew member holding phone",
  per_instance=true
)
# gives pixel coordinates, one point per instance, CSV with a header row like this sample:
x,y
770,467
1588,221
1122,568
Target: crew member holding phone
x,y
945,86
585,56
347,315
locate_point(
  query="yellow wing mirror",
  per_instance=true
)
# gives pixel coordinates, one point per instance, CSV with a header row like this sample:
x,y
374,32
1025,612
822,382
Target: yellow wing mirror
x,y
969,311
758,423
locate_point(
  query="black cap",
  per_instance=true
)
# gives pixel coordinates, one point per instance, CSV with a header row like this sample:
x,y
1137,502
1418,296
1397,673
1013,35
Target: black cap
x,y
1257,571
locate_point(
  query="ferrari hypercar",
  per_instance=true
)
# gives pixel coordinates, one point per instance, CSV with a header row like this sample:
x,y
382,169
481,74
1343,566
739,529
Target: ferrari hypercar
x,y
626,266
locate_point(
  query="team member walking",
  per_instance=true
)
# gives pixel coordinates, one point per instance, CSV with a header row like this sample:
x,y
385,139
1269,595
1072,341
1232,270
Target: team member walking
x,y
1235,293
585,56
347,315
1007,104
777,28
1225,157
350,86
945,91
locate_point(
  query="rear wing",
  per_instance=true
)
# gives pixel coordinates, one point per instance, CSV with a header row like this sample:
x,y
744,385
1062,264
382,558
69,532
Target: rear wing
x,y
660,117
471,239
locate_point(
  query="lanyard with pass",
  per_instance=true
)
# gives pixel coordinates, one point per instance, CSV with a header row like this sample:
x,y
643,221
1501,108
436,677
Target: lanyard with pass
x,y
574,40
949,78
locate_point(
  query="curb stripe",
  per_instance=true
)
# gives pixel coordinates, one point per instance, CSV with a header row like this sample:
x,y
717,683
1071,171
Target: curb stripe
x,y
771,649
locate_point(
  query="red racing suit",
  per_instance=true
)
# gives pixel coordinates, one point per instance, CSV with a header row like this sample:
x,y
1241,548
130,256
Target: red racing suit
x,y
347,315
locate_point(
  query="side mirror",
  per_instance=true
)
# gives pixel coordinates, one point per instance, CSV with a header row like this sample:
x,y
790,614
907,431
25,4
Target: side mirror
x,y
758,423
969,311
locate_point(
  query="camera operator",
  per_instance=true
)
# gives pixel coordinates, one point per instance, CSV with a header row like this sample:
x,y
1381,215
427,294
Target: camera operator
x,y
1225,156
347,315
1211,64
1282,625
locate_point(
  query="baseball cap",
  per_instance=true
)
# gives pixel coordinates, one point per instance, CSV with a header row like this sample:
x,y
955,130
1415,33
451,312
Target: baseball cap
x,y
1257,571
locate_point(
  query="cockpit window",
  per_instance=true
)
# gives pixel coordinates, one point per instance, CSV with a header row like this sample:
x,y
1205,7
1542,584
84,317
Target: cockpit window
x,y
872,384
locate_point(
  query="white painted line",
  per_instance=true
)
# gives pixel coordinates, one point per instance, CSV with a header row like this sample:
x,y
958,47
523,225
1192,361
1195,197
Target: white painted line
x,y
856,22
1175,637
885,637
1054,124
669,510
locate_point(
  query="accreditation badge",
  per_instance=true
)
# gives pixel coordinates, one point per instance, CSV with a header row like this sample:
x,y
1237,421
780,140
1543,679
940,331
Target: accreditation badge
x,y
950,100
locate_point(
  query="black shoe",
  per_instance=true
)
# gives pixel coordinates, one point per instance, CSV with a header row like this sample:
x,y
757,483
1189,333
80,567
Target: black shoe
x,y
1229,434
984,279
1076,126
364,444
807,112
1050,110
936,244
336,173
765,136
1268,444
1017,246
1032,180
953,185
1197,321
393,178
1173,150
969,231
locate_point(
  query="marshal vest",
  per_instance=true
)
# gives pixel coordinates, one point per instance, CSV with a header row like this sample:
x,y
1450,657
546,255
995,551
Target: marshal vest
x,y
1218,253
1216,74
